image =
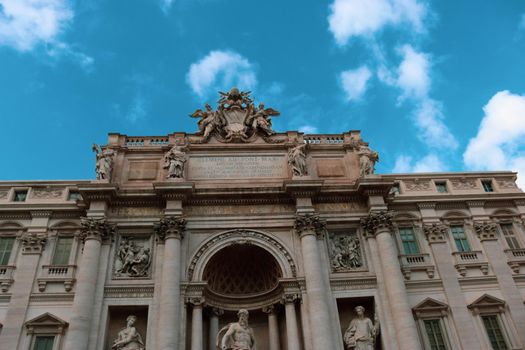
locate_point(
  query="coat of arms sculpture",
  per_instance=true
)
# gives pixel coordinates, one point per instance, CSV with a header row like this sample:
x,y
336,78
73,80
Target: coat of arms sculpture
x,y
236,118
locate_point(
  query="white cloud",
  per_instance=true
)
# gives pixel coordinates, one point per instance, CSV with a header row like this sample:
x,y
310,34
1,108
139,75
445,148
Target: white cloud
x,y
220,70
413,73
65,50
354,82
350,18
429,163
26,23
308,129
137,110
522,22
165,5
500,141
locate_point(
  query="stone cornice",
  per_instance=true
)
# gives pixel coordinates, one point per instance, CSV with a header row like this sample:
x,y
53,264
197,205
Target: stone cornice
x,y
310,224
435,232
170,227
95,228
96,191
303,188
486,230
174,190
376,221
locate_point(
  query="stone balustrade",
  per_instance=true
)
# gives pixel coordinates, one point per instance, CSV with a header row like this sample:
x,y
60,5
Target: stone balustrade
x,y
6,277
470,260
57,274
516,259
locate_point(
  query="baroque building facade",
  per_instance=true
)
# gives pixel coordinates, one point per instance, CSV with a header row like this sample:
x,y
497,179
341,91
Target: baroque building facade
x,y
180,232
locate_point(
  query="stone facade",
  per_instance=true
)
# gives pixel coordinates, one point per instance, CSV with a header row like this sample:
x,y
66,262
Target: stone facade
x,y
181,231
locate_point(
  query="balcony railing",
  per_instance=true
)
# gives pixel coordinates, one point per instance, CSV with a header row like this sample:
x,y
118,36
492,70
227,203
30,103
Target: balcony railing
x,y
516,259
146,141
324,139
416,262
472,259
57,273
6,277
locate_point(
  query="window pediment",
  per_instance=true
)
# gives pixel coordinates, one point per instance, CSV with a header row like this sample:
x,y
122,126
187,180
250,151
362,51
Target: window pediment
x,y
430,308
487,304
46,323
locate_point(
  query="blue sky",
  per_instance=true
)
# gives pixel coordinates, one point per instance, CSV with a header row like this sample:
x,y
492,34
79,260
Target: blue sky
x,y
433,85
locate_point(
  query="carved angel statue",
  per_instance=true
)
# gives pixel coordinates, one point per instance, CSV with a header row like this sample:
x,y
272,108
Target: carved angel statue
x,y
260,119
367,159
237,335
297,160
129,338
104,164
361,333
210,121
174,161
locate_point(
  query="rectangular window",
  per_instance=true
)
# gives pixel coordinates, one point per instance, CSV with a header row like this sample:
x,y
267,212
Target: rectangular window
x,y
460,238
44,342
494,332
441,187
62,251
20,196
487,186
6,246
73,196
435,334
510,237
408,238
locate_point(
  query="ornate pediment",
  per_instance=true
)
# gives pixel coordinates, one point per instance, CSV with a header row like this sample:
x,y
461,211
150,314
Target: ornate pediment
x,y
430,307
236,118
46,322
486,304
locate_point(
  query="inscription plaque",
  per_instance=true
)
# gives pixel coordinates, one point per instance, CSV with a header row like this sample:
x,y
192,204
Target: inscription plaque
x,y
237,167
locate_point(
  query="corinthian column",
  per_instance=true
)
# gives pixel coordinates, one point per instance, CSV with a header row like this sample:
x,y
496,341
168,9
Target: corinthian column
x,y
196,324
92,232
292,332
310,227
214,327
379,225
170,230
273,328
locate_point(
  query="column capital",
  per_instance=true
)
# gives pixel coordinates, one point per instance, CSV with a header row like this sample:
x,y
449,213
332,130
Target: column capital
x,y
435,232
196,301
33,242
290,298
486,230
377,221
170,227
95,228
310,224
270,309
216,311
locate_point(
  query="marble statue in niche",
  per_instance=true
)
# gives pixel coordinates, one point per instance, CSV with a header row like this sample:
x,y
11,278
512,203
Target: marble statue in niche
x,y
104,164
361,333
297,160
133,258
129,338
237,335
367,159
345,252
174,162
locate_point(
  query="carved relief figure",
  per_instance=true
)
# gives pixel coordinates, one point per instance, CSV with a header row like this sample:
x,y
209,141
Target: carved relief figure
x,y
104,164
297,160
345,252
174,161
129,338
361,333
238,336
367,159
236,118
132,260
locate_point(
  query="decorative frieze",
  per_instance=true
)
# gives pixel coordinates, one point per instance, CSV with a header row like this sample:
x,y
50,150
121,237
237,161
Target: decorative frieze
x,y
463,184
133,258
95,228
417,185
170,226
506,183
33,242
345,252
306,224
46,192
3,194
486,230
435,233
375,221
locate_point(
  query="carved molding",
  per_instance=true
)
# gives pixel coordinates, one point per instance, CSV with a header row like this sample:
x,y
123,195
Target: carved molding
x,y
32,242
310,224
139,291
376,221
196,301
95,228
170,227
290,298
435,233
486,230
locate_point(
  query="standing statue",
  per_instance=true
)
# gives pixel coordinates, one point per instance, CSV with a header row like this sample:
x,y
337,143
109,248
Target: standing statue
x,y
104,164
361,333
128,338
210,121
238,336
297,160
367,159
174,161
